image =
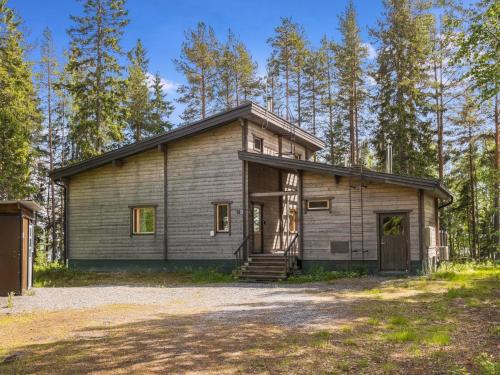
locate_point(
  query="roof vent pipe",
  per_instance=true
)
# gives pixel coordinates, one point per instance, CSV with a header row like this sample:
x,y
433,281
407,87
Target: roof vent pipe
x,y
346,161
269,104
388,157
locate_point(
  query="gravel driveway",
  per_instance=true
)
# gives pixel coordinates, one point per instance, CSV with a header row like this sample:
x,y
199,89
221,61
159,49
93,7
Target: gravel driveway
x,y
291,304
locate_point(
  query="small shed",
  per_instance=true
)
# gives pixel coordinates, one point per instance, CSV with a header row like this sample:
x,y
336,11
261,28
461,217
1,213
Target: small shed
x,y
17,242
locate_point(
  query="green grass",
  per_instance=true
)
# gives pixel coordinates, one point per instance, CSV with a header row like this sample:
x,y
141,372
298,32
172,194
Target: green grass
x,y
319,274
398,320
441,338
402,335
57,275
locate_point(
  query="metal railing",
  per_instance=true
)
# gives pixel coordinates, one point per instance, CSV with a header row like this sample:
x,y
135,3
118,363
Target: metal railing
x,y
240,254
291,253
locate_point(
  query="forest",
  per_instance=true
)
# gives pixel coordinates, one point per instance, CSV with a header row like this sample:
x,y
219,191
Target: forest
x,y
431,91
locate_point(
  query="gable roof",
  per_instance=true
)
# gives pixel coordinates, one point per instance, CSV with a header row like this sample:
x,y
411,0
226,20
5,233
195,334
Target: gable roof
x,y
428,184
250,111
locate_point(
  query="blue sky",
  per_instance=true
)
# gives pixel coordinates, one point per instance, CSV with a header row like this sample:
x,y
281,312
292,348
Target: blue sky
x,y
161,24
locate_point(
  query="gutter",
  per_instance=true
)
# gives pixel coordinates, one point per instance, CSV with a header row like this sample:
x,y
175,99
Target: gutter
x,y
450,201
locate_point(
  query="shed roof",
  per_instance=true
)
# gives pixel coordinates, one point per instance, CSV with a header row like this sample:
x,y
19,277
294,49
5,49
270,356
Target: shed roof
x,y
427,184
249,111
30,205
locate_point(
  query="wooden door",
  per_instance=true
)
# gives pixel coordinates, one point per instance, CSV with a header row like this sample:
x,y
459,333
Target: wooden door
x,y
258,228
393,242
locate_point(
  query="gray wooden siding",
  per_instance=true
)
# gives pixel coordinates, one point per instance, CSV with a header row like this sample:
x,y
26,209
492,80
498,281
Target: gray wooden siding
x,y
203,169
322,227
99,213
271,141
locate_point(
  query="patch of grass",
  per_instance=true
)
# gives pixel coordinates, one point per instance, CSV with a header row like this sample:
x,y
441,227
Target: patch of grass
x,y
10,300
210,276
346,328
388,367
320,274
401,335
398,320
440,338
321,338
487,365
374,291
373,321
58,275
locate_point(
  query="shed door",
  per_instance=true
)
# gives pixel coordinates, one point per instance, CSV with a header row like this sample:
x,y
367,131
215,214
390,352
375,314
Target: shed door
x,y
9,254
393,242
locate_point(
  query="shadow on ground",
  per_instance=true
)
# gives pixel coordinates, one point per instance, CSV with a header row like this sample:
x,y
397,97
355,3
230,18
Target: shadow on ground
x,y
263,338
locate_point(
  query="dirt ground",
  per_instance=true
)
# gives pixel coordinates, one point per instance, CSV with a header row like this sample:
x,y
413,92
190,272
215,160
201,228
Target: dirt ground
x,y
367,325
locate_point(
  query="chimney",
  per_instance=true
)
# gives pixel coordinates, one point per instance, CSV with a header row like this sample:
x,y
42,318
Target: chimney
x,y
388,157
269,104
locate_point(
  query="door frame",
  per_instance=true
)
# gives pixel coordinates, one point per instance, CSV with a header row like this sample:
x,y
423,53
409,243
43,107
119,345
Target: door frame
x,y
406,214
252,205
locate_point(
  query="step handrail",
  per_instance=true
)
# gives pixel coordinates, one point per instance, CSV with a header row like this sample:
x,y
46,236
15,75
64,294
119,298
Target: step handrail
x,y
239,254
291,253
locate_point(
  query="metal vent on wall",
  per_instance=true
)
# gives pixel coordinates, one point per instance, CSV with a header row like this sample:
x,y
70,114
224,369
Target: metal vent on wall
x,y
341,247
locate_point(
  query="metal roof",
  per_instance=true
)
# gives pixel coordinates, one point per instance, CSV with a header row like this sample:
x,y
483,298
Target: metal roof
x,y
30,205
428,184
249,111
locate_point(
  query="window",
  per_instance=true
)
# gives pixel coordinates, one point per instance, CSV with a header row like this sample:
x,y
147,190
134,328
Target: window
x,y
292,221
258,144
318,204
222,219
143,220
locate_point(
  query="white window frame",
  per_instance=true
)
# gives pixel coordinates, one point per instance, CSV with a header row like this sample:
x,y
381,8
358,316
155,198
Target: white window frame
x,y
327,208
261,149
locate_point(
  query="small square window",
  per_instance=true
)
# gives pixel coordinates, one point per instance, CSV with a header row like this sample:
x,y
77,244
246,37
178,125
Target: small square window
x,y
223,217
318,204
143,220
258,144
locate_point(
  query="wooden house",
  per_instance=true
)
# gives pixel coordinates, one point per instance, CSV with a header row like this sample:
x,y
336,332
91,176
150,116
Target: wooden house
x,y
241,189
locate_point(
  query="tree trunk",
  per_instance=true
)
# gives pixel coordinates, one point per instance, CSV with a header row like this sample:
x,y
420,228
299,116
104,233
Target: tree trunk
x,y
472,197
496,193
99,40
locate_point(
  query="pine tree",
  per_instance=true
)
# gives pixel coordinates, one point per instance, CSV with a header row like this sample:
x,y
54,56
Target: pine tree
x,y
402,78
236,74
137,103
288,56
335,134
350,59
198,63
160,109
20,120
96,85
48,77
248,85
315,85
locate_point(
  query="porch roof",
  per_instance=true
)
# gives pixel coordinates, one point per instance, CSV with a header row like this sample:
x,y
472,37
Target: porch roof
x,y
428,184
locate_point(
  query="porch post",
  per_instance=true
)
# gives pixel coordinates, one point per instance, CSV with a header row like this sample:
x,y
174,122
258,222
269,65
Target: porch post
x,y
300,210
244,166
